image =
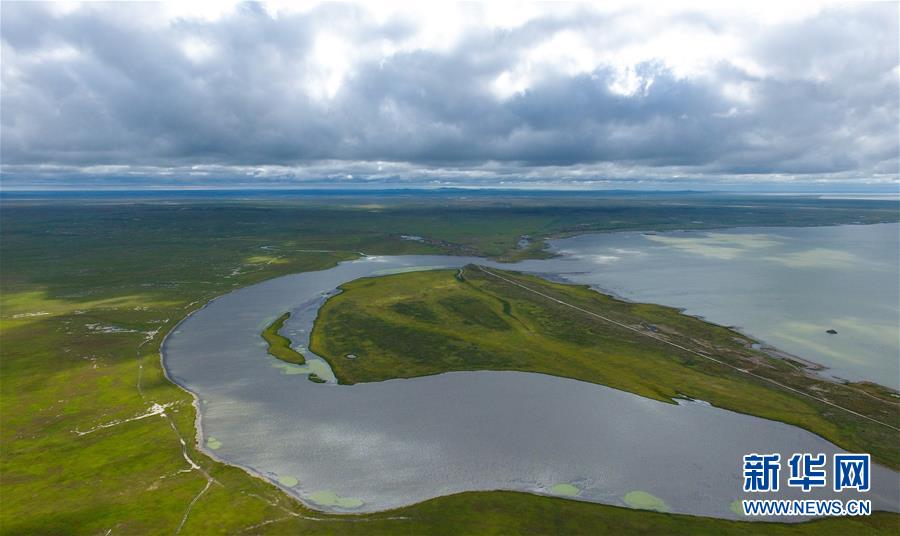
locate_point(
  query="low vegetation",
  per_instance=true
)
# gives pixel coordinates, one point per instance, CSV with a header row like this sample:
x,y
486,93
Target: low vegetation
x,y
90,287
421,323
502,513
279,345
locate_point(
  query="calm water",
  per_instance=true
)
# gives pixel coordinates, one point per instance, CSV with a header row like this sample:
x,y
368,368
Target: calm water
x,y
786,286
377,446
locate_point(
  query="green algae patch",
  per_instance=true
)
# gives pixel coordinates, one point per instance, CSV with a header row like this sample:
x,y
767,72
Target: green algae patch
x,y
279,345
645,501
287,481
737,508
565,490
330,498
213,443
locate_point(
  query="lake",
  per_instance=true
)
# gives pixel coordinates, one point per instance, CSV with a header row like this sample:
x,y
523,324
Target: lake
x,y
376,446
785,286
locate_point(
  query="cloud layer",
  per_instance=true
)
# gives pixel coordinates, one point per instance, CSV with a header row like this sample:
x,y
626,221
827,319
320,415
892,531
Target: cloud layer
x,y
555,95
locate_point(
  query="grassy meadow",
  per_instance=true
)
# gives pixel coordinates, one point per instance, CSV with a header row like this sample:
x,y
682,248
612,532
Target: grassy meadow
x,y
89,288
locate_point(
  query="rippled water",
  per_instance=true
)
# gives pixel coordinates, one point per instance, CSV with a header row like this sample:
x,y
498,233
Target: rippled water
x,y
786,286
376,446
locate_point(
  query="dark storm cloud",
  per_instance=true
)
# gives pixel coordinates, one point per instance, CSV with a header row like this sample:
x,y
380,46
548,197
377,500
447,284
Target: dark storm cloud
x,y
118,90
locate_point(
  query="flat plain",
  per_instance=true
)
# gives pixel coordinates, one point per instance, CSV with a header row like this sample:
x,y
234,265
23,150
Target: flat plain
x,y
90,286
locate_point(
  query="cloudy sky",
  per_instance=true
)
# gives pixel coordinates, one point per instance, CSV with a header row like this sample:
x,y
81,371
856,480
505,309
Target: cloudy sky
x,y
764,96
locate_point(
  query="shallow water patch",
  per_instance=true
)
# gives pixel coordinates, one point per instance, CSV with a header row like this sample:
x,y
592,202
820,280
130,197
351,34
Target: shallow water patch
x,y
645,501
330,498
314,366
565,490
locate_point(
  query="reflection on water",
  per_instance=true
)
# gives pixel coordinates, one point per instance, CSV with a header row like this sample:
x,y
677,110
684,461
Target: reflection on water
x,y
376,446
786,286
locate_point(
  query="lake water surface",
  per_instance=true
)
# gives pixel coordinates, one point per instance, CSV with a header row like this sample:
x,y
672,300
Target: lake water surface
x,y
785,286
376,446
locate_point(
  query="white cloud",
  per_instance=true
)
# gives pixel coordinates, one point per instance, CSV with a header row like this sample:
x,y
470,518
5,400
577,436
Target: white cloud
x,y
523,93
331,58
197,50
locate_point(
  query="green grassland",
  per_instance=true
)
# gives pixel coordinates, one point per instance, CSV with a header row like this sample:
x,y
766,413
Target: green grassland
x,y
90,287
421,323
279,345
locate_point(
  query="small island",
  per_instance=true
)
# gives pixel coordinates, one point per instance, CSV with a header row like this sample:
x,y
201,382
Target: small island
x,y
315,378
279,345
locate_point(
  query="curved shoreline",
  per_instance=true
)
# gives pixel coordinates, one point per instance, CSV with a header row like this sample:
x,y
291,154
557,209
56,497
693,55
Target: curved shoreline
x,y
315,288
311,506
195,400
198,424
